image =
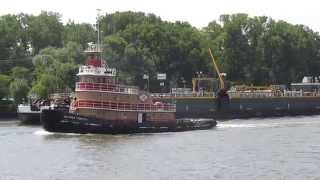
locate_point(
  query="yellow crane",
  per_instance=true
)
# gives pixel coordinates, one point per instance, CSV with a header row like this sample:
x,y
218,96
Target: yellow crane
x,y
217,70
220,76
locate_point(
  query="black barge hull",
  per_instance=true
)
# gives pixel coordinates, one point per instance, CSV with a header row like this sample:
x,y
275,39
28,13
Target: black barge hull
x,y
58,121
241,108
8,115
29,118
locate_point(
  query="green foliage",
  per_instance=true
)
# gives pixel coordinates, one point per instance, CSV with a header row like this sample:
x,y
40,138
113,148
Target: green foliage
x,y
20,73
260,50
4,82
79,33
151,48
19,90
10,34
74,53
43,60
59,66
45,85
119,21
19,86
13,42
45,30
66,75
257,50
254,50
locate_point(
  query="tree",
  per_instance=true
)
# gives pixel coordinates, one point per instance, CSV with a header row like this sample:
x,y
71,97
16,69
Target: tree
x,y
172,48
13,42
66,75
4,82
58,66
19,90
20,73
45,85
45,30
257,50
79,33
119,21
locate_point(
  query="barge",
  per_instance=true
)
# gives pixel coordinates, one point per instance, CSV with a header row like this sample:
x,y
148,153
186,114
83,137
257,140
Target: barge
x,y
8,110
244,101
30,113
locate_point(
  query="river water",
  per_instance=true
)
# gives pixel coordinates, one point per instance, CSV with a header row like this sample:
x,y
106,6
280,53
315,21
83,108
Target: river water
x,y
275,148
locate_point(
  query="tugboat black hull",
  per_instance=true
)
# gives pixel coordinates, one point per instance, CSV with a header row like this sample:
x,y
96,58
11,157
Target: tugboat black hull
x,y
57,121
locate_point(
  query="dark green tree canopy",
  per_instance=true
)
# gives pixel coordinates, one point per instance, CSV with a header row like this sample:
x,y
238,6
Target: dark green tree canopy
x,y
4,83
45,30
42,54
19,90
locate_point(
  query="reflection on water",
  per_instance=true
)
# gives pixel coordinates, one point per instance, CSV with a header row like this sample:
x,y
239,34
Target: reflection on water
x,y
276,148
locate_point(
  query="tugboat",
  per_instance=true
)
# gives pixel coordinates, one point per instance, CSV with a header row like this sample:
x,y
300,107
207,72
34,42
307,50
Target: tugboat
x,y
103,105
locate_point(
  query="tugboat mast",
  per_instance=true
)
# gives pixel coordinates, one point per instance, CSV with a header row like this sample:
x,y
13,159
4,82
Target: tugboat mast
x,y
98,29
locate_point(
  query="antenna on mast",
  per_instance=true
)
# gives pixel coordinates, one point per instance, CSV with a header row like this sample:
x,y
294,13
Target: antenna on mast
x,y
98,29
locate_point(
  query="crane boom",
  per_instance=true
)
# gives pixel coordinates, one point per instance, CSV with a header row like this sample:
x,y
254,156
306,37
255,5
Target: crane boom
x,y
217,70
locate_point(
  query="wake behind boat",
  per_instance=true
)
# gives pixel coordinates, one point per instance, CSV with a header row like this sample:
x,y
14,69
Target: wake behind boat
x,y
102,105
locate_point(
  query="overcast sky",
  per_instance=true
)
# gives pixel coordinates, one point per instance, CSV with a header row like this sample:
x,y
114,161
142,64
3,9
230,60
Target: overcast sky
x,y
197,12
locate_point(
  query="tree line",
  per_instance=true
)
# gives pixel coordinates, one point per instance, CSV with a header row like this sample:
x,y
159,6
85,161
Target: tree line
x,y
40,55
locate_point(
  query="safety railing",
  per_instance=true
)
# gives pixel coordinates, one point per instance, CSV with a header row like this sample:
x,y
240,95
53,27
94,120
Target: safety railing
x,y
97,71
104,87
237,94
252,94
123,106
177,95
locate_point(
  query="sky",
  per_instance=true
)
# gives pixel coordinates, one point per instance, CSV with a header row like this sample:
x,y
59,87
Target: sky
x,y
197,12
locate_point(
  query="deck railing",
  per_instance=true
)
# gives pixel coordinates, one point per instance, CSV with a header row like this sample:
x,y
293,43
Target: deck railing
x,y
235,94
105,87
123,106
177,95
97,71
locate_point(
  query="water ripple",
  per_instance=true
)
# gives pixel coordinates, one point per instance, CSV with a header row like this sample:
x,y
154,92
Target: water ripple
x,y
275,148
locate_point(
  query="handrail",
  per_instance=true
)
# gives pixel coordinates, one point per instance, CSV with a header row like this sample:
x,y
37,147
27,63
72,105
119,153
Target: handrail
x,y
196,94
124,106
99,71
237,94
106,87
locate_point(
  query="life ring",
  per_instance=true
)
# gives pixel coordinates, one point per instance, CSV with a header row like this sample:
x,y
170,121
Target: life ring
x,y
143,97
